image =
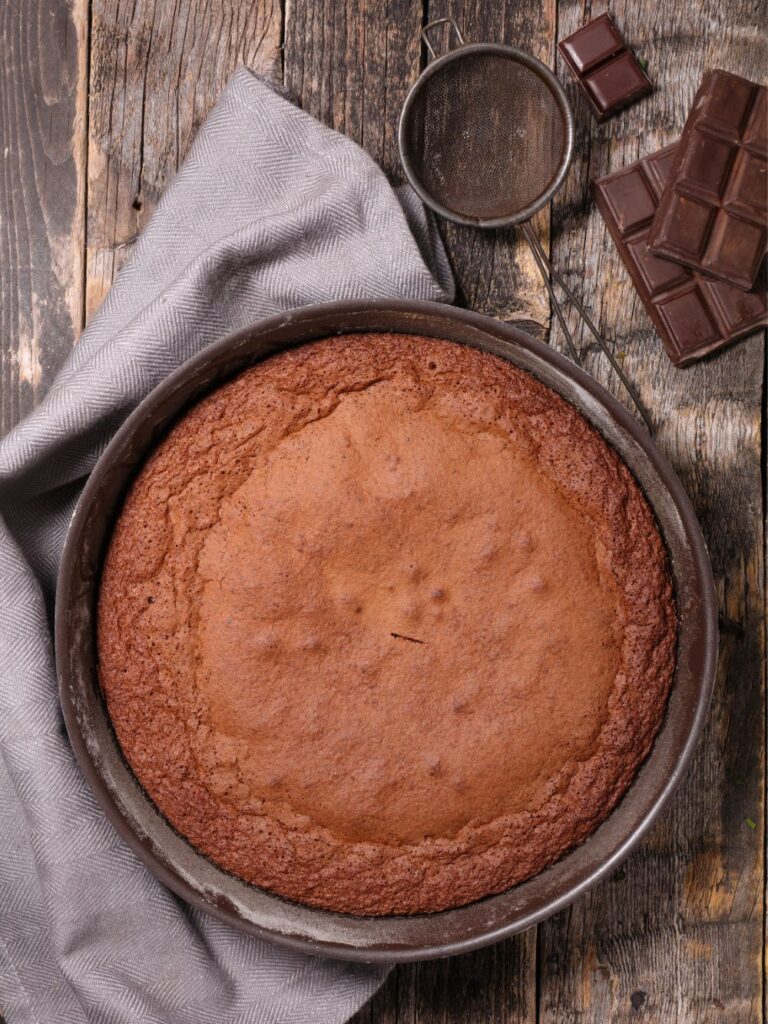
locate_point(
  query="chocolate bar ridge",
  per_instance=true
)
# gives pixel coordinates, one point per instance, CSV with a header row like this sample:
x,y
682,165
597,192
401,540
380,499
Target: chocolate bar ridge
x,y
693,314
714,215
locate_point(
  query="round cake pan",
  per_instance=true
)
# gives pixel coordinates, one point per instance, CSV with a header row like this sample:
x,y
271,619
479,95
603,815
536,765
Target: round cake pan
x,y
195,878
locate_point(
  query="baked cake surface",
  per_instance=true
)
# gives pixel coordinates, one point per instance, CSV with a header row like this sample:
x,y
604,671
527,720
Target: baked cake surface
x,y
385,626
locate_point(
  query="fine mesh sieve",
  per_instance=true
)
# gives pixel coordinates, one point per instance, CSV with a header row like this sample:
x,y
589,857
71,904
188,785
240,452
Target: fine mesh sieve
x,y
486,139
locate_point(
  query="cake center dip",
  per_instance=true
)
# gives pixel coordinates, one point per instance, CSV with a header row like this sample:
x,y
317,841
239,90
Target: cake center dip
x,y
307,600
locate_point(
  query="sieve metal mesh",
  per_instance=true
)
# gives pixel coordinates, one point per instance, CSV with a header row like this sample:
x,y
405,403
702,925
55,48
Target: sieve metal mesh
x,y
484,136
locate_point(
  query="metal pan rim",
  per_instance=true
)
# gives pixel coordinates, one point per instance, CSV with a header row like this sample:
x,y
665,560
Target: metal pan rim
x,y
386,939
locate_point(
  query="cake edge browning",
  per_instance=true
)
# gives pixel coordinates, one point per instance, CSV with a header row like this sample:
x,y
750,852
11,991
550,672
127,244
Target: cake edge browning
x,y
306,863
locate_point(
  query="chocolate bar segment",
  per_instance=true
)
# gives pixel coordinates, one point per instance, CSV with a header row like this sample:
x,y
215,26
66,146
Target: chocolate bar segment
x,y
607,71
694,314
714,216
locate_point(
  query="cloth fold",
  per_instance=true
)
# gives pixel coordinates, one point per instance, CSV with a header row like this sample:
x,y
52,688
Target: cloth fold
x,y
269,211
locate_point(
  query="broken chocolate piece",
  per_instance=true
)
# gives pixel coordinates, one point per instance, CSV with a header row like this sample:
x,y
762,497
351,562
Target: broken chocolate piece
x,y
714,215
694,314
608,73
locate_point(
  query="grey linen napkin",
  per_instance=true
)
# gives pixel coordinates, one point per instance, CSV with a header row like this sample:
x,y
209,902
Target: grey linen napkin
x,y
270,211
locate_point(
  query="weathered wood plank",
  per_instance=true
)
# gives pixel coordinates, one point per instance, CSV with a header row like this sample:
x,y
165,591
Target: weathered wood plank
x,y
495,272
496,275
43,90
156,70
42,117
493,986
351,64
677,934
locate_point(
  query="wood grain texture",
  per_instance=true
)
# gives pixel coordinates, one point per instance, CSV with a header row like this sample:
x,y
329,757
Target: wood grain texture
x,y
42,150
492,986
350,63
156,70
677,934
495,272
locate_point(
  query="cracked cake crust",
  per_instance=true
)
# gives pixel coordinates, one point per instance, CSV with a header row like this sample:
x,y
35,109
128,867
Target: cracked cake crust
x,y
385,626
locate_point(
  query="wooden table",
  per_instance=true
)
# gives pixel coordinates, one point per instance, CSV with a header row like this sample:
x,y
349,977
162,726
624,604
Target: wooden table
x,y
99,101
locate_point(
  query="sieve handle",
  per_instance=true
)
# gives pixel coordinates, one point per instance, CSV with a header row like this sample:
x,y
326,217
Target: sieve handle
x,y
549,274
433,24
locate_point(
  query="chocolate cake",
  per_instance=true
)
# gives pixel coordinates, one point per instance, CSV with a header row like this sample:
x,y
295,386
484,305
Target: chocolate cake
x,y
385,626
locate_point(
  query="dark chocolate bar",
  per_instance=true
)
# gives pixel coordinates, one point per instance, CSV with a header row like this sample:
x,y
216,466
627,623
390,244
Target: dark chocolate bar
x,y
714,215
693,313
607,71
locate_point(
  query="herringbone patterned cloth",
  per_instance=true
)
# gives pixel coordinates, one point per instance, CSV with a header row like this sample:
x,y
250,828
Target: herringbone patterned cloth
x,y
270,211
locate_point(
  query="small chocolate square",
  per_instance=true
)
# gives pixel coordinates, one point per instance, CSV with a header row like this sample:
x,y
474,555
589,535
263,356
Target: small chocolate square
x,y
659,166
630,200
736,247
616,84
688,318
756,134
608,73
736,306
727,102
659,275
593,44
707,163
689,221
747,191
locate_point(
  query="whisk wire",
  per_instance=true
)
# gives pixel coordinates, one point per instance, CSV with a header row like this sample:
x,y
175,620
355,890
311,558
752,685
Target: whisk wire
x,y
549,273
